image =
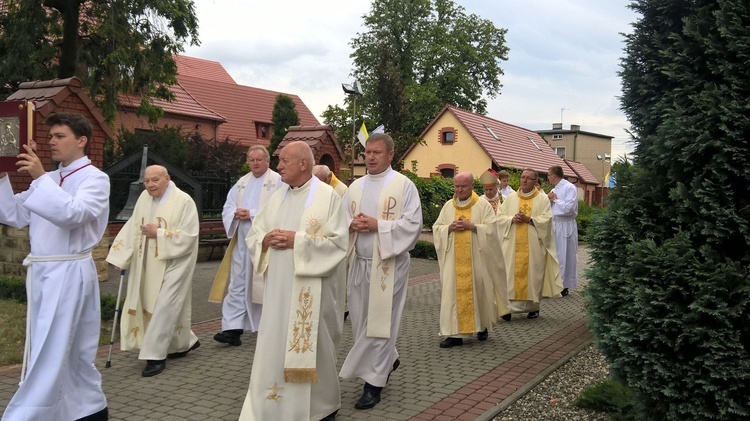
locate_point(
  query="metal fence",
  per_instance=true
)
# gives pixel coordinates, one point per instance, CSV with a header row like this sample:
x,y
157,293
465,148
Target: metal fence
x,y
209,190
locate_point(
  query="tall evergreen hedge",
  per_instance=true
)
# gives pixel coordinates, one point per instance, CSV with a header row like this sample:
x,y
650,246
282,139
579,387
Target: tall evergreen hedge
x,y
670,284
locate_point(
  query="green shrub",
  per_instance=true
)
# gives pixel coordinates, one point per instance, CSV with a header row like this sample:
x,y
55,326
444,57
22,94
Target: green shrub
x,y
13,288
424,250
608,396
585,214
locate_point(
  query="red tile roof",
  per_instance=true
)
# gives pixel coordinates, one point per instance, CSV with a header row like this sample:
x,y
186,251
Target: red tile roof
x,y
580,171
184,104
203,69
242,106
510,146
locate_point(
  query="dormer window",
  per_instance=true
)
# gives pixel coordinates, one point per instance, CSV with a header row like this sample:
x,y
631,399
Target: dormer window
x,y
264,131
447,135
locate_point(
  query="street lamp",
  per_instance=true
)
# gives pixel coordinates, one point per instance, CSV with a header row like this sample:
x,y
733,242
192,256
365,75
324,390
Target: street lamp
x,y
604,158
354,90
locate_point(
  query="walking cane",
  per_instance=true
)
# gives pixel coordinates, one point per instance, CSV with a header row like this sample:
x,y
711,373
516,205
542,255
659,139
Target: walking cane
x,y
114,322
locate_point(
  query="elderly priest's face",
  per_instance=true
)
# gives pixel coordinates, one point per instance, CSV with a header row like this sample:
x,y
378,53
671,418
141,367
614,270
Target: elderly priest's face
x,y
156,180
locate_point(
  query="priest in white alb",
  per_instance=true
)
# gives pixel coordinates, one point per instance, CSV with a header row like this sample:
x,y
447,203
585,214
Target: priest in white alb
x,y
384,213
564,202
243,303
158,246
473,281
327,176
299,241
491,185
66,211
525,225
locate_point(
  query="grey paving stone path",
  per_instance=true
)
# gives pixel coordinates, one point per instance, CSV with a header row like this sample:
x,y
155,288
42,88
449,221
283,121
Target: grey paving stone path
x,y
466,382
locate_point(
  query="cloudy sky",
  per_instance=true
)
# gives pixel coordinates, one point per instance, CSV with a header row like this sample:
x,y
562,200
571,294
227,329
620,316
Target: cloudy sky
x,y
562,65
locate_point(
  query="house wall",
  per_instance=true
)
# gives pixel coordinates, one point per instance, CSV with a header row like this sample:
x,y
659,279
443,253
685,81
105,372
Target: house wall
x,y
130,121
584,148
464,154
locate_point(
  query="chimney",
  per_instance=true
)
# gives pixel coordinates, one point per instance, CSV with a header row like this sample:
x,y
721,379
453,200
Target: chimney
x,y
575,127
556,126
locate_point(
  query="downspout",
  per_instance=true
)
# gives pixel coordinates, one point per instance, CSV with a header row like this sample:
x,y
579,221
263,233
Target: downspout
x,y
575,143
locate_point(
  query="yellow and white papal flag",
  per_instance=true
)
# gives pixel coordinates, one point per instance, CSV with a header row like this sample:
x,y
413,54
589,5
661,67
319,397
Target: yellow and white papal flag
x,y
363,135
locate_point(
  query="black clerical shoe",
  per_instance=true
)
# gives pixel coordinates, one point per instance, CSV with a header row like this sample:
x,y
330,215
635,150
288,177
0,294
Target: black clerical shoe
x,y
370,397
330,417
564,292
451,342
396,364
230,337
533,314
507,317
102,415
182,354
483,335
154,367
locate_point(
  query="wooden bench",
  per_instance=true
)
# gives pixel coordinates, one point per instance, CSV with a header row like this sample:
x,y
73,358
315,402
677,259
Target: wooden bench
x,y
212,234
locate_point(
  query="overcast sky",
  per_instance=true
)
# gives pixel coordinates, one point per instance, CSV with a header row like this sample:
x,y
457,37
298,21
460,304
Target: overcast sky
x,y
563,60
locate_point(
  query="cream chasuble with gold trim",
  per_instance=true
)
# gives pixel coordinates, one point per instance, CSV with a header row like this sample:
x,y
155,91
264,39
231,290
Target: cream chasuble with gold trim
x,y
529,250
165,263
294,368
472,276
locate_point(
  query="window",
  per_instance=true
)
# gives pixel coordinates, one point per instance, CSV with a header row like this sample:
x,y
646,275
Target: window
x,y
492,133
447,136
534,143
560,152
447,172
264,131
557,137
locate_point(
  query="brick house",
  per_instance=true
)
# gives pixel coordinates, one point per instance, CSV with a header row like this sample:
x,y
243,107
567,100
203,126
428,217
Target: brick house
x,y
322,141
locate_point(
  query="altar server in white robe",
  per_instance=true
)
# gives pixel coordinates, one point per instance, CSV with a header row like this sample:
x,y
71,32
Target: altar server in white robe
x,y
472,275
384,213
243,303
66,211
525,225
564,202
159,246
299,240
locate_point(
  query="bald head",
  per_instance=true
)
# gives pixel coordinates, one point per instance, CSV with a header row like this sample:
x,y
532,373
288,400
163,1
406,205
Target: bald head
x,y
323,173
296,163
156,180
463,182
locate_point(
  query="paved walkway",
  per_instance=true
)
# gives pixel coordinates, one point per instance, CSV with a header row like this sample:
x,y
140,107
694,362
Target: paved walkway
x,y
473,381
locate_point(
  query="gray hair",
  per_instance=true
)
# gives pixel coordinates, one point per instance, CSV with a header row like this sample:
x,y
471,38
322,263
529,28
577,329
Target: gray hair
x,y
259,148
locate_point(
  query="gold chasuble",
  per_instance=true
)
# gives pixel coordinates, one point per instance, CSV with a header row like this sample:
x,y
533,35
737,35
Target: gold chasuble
x,y
464,276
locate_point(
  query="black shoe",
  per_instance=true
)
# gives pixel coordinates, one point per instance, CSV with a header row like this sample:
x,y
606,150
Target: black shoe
x,y
228,337
331,416
451,342
102,415
154,367
396,364
173,355
533,314
370,397
346,314
507,317
483,335
564,292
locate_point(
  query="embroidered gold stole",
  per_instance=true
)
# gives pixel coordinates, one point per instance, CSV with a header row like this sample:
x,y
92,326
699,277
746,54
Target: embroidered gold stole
x,y
521,273
464,274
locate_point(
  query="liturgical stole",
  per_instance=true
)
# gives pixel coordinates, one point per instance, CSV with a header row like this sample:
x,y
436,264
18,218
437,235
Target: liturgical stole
x,y
382,271
222,276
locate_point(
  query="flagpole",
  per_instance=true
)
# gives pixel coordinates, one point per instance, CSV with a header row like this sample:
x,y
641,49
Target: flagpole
x,y
354,138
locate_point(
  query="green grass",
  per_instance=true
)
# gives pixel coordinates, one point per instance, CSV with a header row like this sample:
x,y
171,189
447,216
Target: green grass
x,y
13,330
